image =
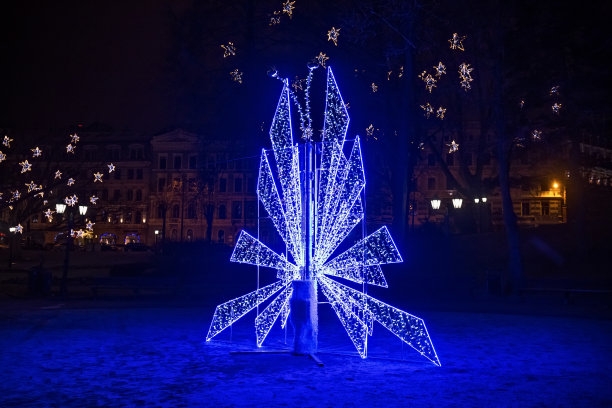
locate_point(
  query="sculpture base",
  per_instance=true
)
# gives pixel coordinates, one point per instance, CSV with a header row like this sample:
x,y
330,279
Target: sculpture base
x,y
304,316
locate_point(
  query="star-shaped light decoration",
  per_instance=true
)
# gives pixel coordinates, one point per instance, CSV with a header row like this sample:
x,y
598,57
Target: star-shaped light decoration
x,y
440,69
58,175
70,148
456,43
236,76
1,194
275,19
522,103
74,138
90,225
45,202
111,168
79,233
31,186
15,195
370,130
554,90
71,201
556,108
452,146
536,135
440,112
229,49
6,141
311,255
36,152
428,109
25,166
321,58
298,84
288,8
98,177
49,214
93,199
332,35
41,194
2,157
19,229
430,81
70,181
465,74
374,87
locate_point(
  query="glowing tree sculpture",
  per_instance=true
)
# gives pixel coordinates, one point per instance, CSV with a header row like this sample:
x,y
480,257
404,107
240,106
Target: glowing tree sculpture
x,y
316,207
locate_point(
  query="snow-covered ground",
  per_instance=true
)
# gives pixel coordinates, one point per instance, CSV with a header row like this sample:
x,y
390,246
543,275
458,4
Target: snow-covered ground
x,y
128,356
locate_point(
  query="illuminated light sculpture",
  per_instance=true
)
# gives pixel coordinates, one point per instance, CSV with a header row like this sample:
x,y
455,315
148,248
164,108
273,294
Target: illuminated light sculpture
x,y
58,174
321,58
441,112
333,34
315,204
70,148
430,81
6,141
236,75
98,177
456,42
465,75
25,166
229,49
428,110
2,157
36,152
111,168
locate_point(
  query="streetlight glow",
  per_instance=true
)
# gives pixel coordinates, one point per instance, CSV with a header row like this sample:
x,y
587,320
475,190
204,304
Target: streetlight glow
x,y
60,208
484,199
457,202
435,204
82,209
477,200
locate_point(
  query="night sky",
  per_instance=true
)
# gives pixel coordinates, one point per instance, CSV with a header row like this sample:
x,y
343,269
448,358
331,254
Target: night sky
x,y
127,65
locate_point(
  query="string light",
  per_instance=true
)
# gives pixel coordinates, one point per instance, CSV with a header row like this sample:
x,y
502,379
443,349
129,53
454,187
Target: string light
x,y
6,141
229,49
332,35
25,166
453,146
556,107
440,112
93,199
111,168
440,69
374,87
70,181
74,138
288,8
465,74
36,152
236,76
321,58
430,81
456,42
339,209
428,109
70,148
98,177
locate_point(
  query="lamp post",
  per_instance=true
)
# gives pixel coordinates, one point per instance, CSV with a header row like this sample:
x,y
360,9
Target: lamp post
x,y
480,201
61,209
12,239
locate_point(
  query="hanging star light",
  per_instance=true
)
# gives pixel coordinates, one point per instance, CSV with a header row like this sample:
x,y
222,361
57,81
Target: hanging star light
x,y
71,201
236,76
19,229
31,186
429,110
70,181
440,112
321,58
370,130
313,231
440,69
58,174
49,214
465,74
556,108
288,8
36,152
70,148
79,233
536,135
93,199
522,103
98,177
456,43
25,166
2,157
6,141
275,19
15,195
90,225
111,168
332,35
554,90
430,81
374,87
452,146
229,49
74,138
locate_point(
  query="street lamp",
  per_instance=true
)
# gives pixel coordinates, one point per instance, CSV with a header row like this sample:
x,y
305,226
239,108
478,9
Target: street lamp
x,y
12,231
435,203
61,209
457,202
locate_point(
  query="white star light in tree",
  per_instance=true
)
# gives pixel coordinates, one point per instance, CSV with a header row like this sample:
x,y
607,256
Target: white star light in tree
x,y
111,168
229,49
93,199
6,141
98,177
456,43
90,225
74,138
332,35
337,210
453,146
70,148
2,157
36,152
70,181
25,166
288,7
49,214
19,229
58,175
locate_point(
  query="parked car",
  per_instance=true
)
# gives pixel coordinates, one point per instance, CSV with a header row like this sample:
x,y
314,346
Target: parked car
x,y
132,243
108,242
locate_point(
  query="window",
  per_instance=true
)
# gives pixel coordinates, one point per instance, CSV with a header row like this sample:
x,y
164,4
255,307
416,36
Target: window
x,y
90,154
222,185
117,174
130,174
238,185
138,195
192,162
136,153
161,184
177,162
138,217
237,210
221,237
138,174
250,209
163,162
130,195
431,183
545,208
251,185
222,212
431,159
175,211
525,208
191,211
117,195
114,153
160,211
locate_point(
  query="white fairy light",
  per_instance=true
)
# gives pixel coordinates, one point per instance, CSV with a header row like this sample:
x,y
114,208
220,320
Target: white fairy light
x,y
338,210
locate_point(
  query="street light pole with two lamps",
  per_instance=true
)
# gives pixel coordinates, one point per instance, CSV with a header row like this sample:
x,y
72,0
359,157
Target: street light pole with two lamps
x,y
61,209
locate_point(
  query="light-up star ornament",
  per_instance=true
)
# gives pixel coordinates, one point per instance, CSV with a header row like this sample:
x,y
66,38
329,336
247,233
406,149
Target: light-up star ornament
x,y
36,152
19,229
453,146
229,49
90,225
70,148
556,107
456,42
333,34
236,75
288,8
334,207
111,168
25,166
70,181
430,81
93,199
428,110
58,175
74,138
465,75
2,157
321,58
441,112
98,177
440,69
6,141
49,214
